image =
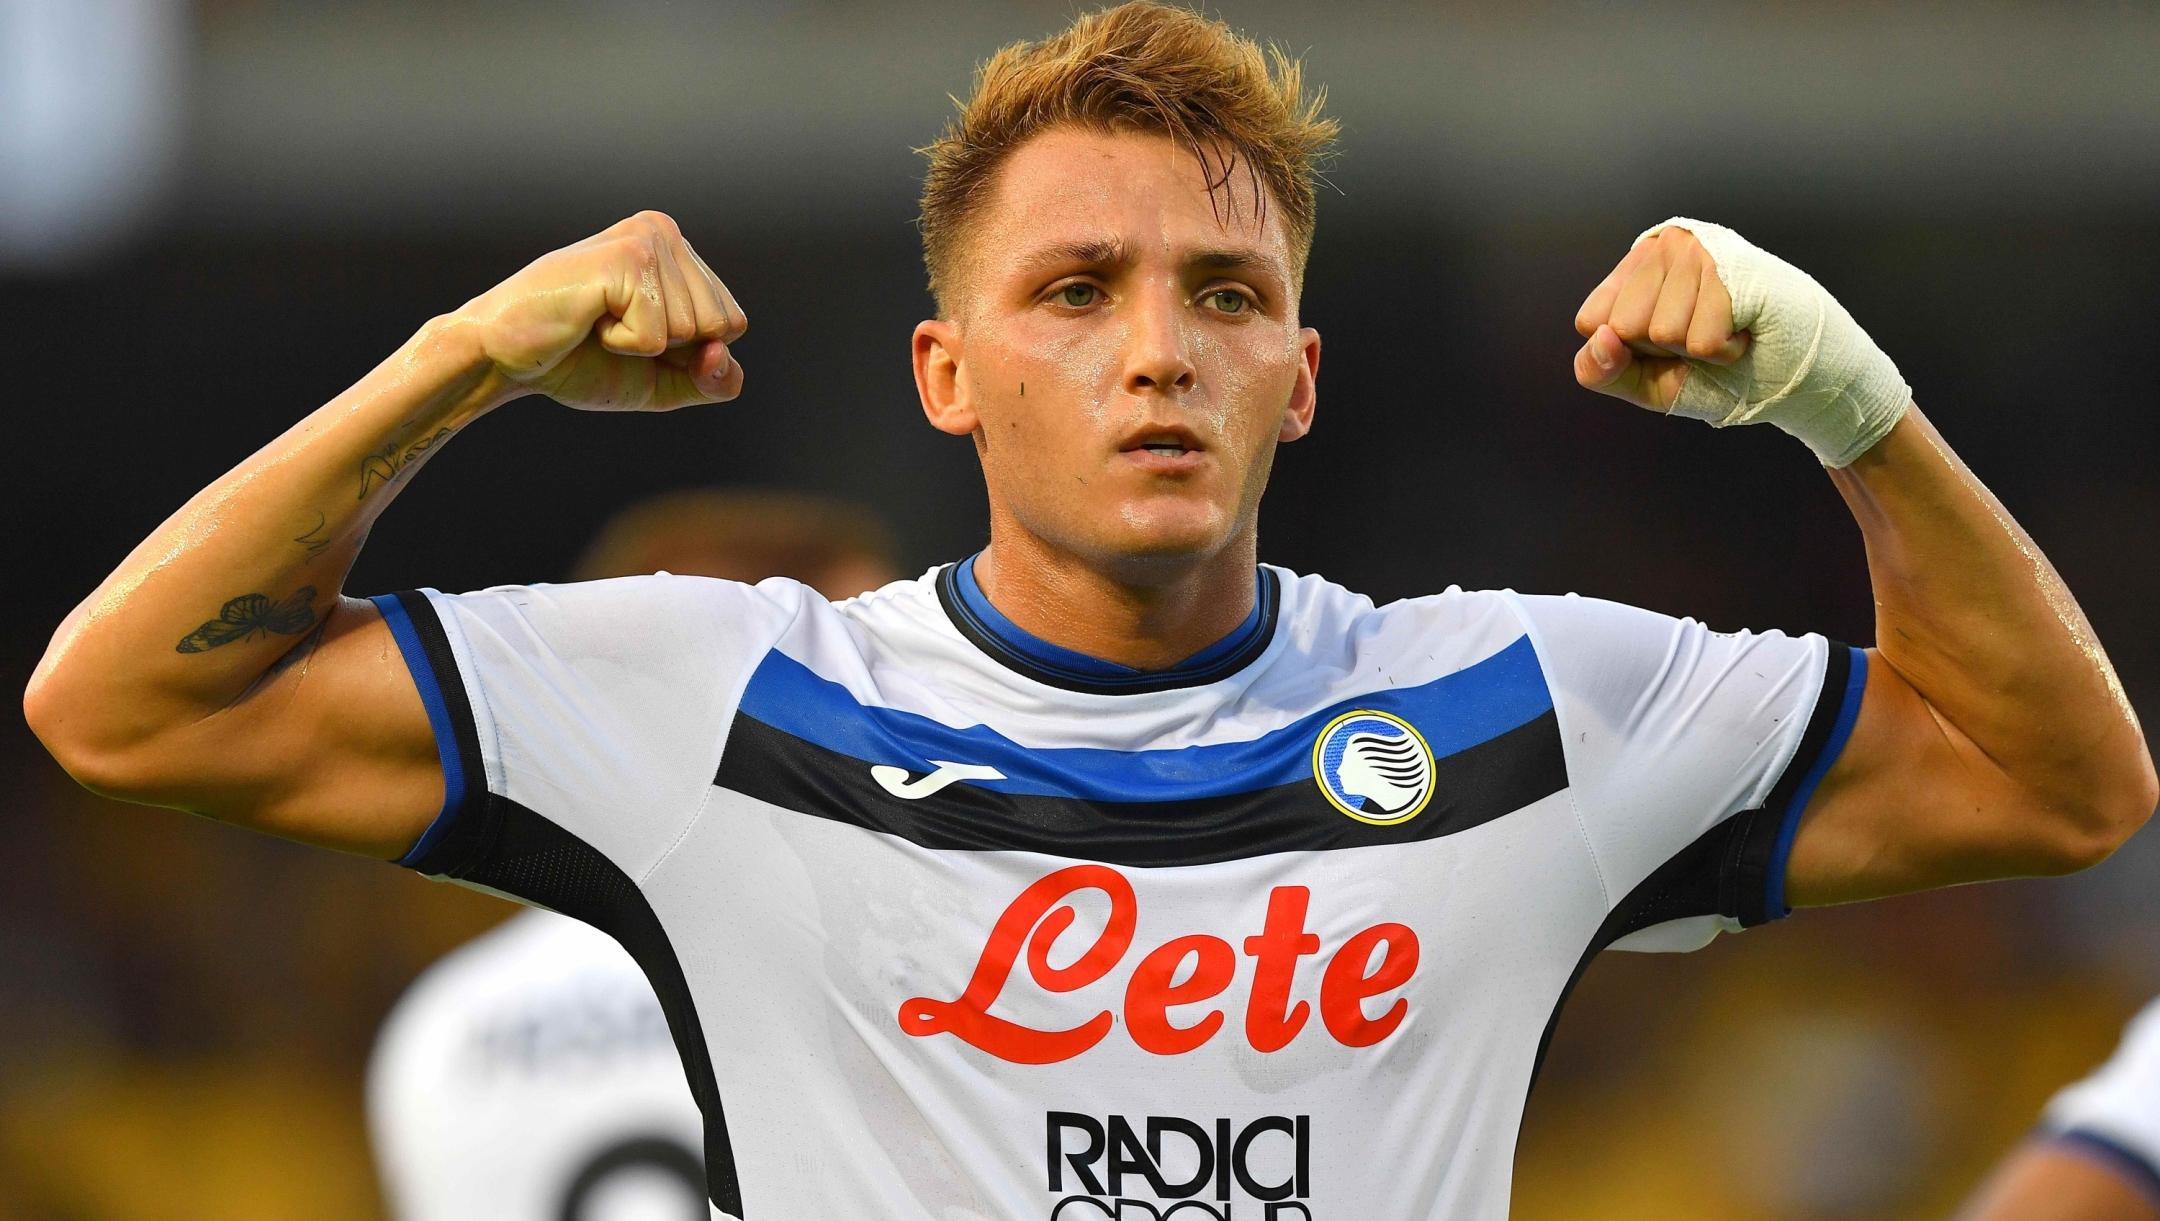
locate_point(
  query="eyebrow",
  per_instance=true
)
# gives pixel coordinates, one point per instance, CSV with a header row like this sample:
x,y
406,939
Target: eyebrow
x,y
1228,260
1112,252
1095,252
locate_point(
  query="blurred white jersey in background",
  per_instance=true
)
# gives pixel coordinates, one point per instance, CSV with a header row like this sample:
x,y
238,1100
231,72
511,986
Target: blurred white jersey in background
x,y
529,1076
2114,1115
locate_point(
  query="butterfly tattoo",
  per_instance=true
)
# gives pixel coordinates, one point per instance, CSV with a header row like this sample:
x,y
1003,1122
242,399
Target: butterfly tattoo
x,y
248,615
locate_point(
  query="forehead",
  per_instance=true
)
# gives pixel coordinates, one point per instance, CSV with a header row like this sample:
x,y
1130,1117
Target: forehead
x,y
1072,186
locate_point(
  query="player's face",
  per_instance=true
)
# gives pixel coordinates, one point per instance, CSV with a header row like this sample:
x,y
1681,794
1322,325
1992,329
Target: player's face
x,y
1126,351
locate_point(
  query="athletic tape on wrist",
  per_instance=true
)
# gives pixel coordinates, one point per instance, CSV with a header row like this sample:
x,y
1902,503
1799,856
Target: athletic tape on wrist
x,y
1810,369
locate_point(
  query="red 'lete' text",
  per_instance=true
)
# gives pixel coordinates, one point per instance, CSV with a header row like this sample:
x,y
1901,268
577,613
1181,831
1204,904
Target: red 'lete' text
x,y
1034,921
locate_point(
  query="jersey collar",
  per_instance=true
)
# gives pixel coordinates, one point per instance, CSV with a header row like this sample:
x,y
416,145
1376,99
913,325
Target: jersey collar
x,y
1006,642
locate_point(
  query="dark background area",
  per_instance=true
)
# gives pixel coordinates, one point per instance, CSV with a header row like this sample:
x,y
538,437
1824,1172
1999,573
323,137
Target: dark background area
x,y
185,1010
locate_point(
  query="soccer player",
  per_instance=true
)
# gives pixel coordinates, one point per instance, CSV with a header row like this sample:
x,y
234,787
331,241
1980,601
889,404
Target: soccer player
x,y
530,1075
2097,1154
1108,872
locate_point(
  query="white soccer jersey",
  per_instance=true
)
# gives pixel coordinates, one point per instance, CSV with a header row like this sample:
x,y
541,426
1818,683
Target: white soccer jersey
x,y
530,1076
951,923
2115,1113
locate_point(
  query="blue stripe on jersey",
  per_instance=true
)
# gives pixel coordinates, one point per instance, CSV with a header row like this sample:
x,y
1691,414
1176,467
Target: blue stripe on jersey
x,y
1460,710
438,715
1840,732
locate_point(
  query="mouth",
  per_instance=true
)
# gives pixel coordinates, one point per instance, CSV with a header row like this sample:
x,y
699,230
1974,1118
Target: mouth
x,y
1164,448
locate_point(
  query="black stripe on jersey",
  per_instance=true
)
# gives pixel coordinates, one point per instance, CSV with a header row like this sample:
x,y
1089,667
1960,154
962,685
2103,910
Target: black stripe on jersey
x,y
492,841
1470,787
518,852
1140,682
1726,871
1744,894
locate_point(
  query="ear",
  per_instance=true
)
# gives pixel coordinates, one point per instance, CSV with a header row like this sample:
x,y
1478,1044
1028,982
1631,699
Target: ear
x,y
1305,395
938,378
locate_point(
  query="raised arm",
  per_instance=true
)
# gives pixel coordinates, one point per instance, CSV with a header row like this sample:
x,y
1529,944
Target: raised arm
x,y
219,669
1993,738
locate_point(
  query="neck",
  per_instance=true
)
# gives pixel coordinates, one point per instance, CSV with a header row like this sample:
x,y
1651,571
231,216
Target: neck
x,y
1153,625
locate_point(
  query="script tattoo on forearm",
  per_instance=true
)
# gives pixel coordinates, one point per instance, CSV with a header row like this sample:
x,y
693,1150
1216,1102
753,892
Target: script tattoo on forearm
x,y
315,540
383,465
252,615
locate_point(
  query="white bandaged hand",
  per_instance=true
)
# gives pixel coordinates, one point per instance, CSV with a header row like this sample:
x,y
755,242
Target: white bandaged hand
x,y
1809,369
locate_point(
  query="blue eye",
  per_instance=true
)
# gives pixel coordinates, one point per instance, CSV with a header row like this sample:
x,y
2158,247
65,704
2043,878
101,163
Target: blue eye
x,y
1079,296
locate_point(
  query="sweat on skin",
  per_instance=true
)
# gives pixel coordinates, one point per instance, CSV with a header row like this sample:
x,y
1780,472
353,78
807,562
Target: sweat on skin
x,y
1143,311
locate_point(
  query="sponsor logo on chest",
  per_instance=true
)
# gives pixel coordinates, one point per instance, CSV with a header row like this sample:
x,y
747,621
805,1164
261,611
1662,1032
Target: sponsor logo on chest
x,y
1183,971
1190,1169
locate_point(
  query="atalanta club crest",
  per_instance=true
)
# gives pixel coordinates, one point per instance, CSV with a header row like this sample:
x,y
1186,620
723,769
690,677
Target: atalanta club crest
x,y
1374,767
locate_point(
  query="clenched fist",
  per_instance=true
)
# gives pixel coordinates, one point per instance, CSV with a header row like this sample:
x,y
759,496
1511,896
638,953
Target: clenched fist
x,y
630,319
1661,307
1698,321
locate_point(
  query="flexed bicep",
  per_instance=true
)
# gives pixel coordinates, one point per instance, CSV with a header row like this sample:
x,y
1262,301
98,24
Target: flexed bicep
x,y
331,746
217,668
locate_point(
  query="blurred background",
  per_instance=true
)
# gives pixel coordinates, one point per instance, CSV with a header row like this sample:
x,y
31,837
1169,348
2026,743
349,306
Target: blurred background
x,y
214,216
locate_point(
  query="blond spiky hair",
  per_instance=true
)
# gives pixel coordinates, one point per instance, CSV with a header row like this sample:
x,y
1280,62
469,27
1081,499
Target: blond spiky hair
x,y
1142,67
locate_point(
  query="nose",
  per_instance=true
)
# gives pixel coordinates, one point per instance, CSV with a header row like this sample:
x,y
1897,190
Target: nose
x,y
1156,355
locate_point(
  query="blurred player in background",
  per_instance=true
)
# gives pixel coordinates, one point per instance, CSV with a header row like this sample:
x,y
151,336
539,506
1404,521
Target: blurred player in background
x,y
2097,1154
530,1075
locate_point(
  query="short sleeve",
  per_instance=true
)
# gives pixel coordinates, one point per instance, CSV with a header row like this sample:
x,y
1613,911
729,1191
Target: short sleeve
x,y
1691,755
2113,1116
601,707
